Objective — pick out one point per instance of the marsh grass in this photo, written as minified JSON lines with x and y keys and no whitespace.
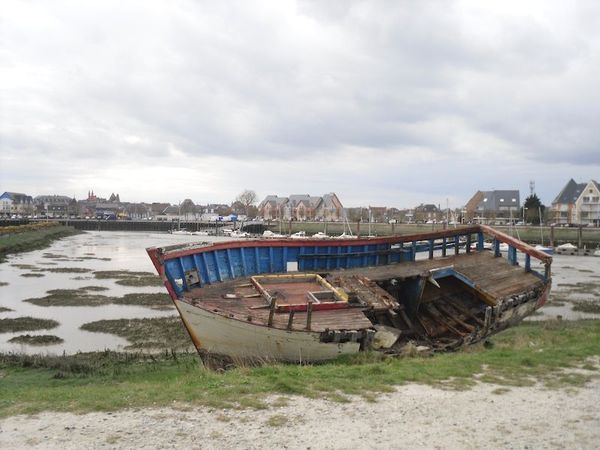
{"x":4,"y":309}
{"x":87,"y":296}
{"x":66,"y":270}
{"x":26,"y":324}
{"x":34,"y":238}
{"x":130,"y":278}
{"x":151,"y":333}
{"x":586,"y":306}
{"x":277,"y":420}
{"x":33,"y":275}
{"x":3,"y":283}
{"x":548,"y":353}
{"x":37,"y":339}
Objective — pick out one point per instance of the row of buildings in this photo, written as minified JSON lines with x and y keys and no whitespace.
{"x":13,"y":205}
{"x":577,"y":203}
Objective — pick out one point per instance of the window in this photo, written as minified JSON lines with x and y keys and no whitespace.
{"x":502,"y":200}
{"x":514,"y":200}
{"x":586,"y":199}
{"x":485,"y":200}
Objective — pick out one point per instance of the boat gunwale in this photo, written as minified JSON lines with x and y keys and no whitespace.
{"x":181,"y":250}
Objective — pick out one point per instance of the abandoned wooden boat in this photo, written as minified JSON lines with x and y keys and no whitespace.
{"x":315,"y":299}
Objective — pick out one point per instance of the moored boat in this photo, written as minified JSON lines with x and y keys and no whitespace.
{"x":315,"y":299}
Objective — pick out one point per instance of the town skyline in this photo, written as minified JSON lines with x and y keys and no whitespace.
{"x":441,"y":202}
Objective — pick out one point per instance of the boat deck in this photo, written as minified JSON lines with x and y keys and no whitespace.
{"x":240,"y":299}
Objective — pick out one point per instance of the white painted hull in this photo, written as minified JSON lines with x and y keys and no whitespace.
{"x":224,"y":336}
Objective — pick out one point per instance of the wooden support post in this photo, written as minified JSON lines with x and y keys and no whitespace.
{"x":468,"y":249}
{"x":480,"y":241}
{"x":290,"y":319}
{"x":413,"y":251}
{"x":272,"y":310}
{"x":393,"y":227}
{"x":552,"y":236}
{"x":444,"y":242}
{"x":527,"y":262}
{"x":580,"y":237}
{"x":547,"y":272}
{"x":431,"y":248}
{"x":309,"y":308}
{"x":497,"y":253}
{"x":512,"y":255}
{"x":456,"y":244}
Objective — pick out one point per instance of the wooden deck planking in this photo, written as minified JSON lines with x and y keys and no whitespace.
{"x":494,"y":275}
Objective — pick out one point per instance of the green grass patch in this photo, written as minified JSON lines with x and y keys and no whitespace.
{"x":152,"y":333}
{"x":586,"y":306}
{"x":521,"y":356}
{"x":130,"y":278}
{"x":70,"y":297}
{"x":156,"y":300}
{"x":87,"y":296}
{"x":66,"y":270}
{"x":32,"y":239}
{"x":26,"y":324}
{"x":37,"y":339}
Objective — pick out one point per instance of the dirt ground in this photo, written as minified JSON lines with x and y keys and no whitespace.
{"x":414,"y":416}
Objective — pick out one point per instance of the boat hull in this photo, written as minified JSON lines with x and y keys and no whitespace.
{"x":218,"y":334}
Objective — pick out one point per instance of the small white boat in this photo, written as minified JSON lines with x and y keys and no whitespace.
{"x":568,"y":246}
{"x":543,"y":248}
{"x":200,"y":233}
{"x":320,"y":235}
{"x":239,"y":234}
{"x":181,"y":232}
{"x":270,"y":235}
{"x":298,"y":235}
{"x":348,"y":236}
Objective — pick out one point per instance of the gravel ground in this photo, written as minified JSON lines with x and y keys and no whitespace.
{"x":414,"y":416}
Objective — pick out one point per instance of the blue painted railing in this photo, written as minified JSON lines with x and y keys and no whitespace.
{"x":187,"y":267}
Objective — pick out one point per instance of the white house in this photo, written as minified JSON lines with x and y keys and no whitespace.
{"x":587,"y":206}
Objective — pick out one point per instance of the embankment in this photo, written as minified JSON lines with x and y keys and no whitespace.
{"x":23,"y":238}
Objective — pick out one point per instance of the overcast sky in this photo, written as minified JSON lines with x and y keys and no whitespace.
{"x":385,"y":103}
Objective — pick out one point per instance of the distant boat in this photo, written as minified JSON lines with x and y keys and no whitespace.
{"x":320,"y":235}
{"x":200,"y":233}
{"x":567,"y":246}
{"x":543,"y":248}
{"x":567,"y":249}
{"x":181,"y":232}
{"x":298,"y":235}
{"x":270,"y":235}
{"x":348,"y":236}
{"x":239,"y":234}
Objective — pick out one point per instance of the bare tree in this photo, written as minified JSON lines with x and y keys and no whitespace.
{"x":247,"y":198}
